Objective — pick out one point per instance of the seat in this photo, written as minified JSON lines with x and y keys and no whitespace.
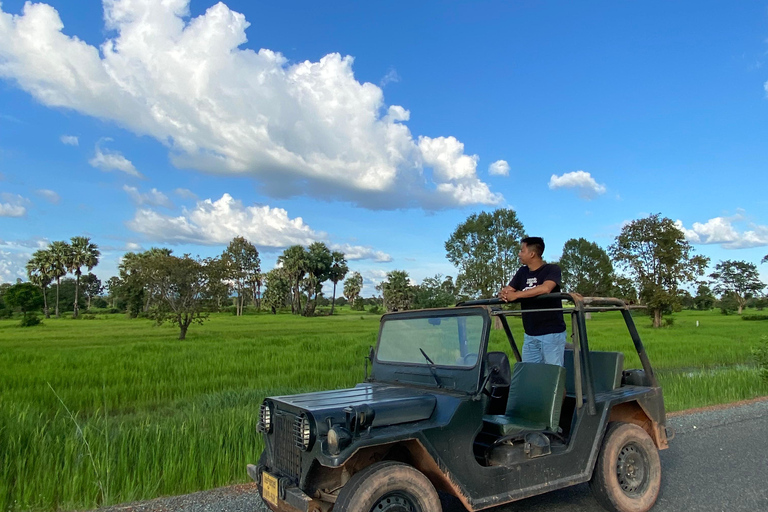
{"x":535,"y":399}
{"x":498,"y":382}
{"x":607,"y":369}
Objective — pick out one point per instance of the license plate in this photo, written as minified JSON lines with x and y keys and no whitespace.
{"x":269,"y":487}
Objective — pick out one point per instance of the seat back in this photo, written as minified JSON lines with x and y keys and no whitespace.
{"x":498,"y":384}
{"x":536,"y":393}
{"x":607,"y":369}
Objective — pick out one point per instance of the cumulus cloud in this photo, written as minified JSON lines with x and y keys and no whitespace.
{"x":499,"y":168}
{"x":152,"y":198}
{"x":217,"y":222}
{"x":12,"y":205}
{"x":70,"y":140}
{"x":582,"y":181}
{"x":299,"y":128}
{"x":107,"y":160}
{"x":12,"y":266}
{"x":720,"y":231}
{"x":49,"y":195}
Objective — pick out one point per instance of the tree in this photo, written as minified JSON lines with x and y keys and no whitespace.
{"x":654,"y":251}
{"x":765,"y":259}
{"x":352,"y":288}
{"x":295,"y":261}
{"x":278,"y":288}
{"x":337,"y":272}
{"x":244,"y":265}
{"x":624,"y":289}
{"x":704,"y":299}
{"x":587,"y":269}
{"x":318,"y":260}
{"x":739,"y":278}
{"x":484,"y":248}
{"x":25,"y":296}
{"x":59,"y":259}
{"x":91,"y":288}
{"x":397,"y":291}
{"x":136,"y":280}
{"x":40,"y":273}
{"x":434,"y":292}
{"x":185,"y":288}
{"x":83,"y":253}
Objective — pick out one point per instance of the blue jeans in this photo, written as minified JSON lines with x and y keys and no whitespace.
{"x":545,"y":348}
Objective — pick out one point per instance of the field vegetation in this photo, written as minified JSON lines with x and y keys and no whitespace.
{"x":106,"y":409}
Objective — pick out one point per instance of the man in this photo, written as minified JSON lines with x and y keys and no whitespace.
{"x":544,"y":340}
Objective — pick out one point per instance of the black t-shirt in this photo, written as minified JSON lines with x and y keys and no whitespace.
{"x":536,"y":324}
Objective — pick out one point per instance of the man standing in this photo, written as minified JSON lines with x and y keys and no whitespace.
{"x":544,"y":331}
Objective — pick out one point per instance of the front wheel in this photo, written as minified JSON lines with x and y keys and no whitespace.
{"x":388,"y":487}
{"x":627,"y":476}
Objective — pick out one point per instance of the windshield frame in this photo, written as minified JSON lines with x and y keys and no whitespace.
{"x":437,"y":313}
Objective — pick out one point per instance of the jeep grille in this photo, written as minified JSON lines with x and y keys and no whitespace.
{"x":287,"y":453}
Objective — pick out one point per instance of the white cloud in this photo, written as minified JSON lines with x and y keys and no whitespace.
{"x":49,"y":195}
{"x":152,"y":198}
{"x":13,"y":266}
{"x":499,"y":168}
{"x":107,"y":160}
{"x":218,"y":222}
{"x":185,"y":193}
{"x":70,"y":140}
{"x":720,"y":230}
{"x":12,"y":205}
{"x":389,"y":78}
{"x":300,"y":128}
{"x":582,"y":181}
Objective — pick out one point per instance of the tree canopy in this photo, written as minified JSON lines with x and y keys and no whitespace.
{"x":739,"y":278}
{"x":397,"y":291}
{"x":587,"y":269}
{"x":352,"y":288}
{"x":243,"y":266}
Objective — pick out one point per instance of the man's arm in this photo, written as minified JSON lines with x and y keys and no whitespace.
{"x":542,"y":289}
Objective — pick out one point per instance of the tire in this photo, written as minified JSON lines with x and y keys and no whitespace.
{"x":388,"y":487}
{"x":627,"y":475}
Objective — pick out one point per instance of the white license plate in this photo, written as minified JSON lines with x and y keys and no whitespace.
{"x":269,"y":487}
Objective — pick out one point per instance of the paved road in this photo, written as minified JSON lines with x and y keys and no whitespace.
{"x":718,"y":461}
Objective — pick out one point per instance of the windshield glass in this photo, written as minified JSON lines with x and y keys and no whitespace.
{"x":446,"y":341}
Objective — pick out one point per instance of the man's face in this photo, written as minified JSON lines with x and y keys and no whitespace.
{"x":526,"y":255}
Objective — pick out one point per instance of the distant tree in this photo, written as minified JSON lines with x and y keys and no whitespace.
{"x":685,"y":299}
{"x":654,"y":251}
{"x":136,"y":281}
{"x":352,"y":288}
{"x":704,"y":299}
{"x":485,"y":250}
{"x":434,"y":292}
{"x":587,"y":269}
{"x":337,"y":272}
{"x":256,"y":282}
{"x":40,"y":273}
{"x":185,"y":289}
{"x":113,"y":290}
{"x":83,"y":253}
{"x":728,"y":303}
{"x":244,"y":265}
{"x":278,"y":287}
{"x":623,"y":288}
{"x":739,"y":278}
{"x":59,"y":260}
{"x":295,"y":261}
{"x":25,"y":296}
{"x":397,"y":291}
{"x":91,"y":288}
{"x":319,"y":260}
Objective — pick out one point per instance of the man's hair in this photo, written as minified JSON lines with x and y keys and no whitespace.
{"x":535,"y":243}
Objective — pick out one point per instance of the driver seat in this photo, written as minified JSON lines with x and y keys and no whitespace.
{"x":497,"y":363}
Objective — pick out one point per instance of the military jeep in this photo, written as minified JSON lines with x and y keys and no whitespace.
{"x":440,"y":413}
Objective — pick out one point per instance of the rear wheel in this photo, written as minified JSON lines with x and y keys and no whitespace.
{"x":388,"y":487}
{"x":627,"y":476}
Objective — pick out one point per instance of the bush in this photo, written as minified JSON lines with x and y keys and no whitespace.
{"x":669,"y":321}
{"x":374,"y":309}
{"x":754,"y":317}
{"x":760,"y":353}
{"x":29,"y":321}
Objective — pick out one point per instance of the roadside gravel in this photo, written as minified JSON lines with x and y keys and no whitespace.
{"x":244,"y":498}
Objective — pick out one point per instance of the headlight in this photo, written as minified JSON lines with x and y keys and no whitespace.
{"x":303,"y":432}
{"x":338,"y":439}
{"x":265,"y":417}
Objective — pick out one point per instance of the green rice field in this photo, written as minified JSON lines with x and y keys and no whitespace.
{"x":110,"y":410}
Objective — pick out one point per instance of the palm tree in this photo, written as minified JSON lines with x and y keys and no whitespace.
{"x":83,"y":253}
{"x":337,"y":272}
{"x":39,"y":271}
{"x":59,"y":257}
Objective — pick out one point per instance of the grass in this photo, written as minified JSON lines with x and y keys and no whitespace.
{"x":96,"y":412}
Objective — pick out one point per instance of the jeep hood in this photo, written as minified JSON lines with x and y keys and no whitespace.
{"x":391,"y":405}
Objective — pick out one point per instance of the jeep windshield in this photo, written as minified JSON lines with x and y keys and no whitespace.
{"x":448,"y":340}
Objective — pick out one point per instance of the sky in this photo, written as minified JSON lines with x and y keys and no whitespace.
{"x":378,"y":127}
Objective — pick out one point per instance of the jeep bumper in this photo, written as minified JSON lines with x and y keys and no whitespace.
{"x":289,"y":497}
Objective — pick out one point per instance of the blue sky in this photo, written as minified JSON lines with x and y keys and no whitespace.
{"x":378,"y":127}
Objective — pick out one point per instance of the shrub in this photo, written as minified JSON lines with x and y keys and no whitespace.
{"x":754,"y":317}
{"x":374,"y":309}
{"x":760,"y":353}
{"x":669,"y":321}
{"x":29,"y":321}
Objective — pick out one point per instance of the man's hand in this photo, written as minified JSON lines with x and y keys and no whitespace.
{"x":508,"y":294}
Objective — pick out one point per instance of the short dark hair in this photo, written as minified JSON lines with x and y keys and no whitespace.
{"x":536,"y":243}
